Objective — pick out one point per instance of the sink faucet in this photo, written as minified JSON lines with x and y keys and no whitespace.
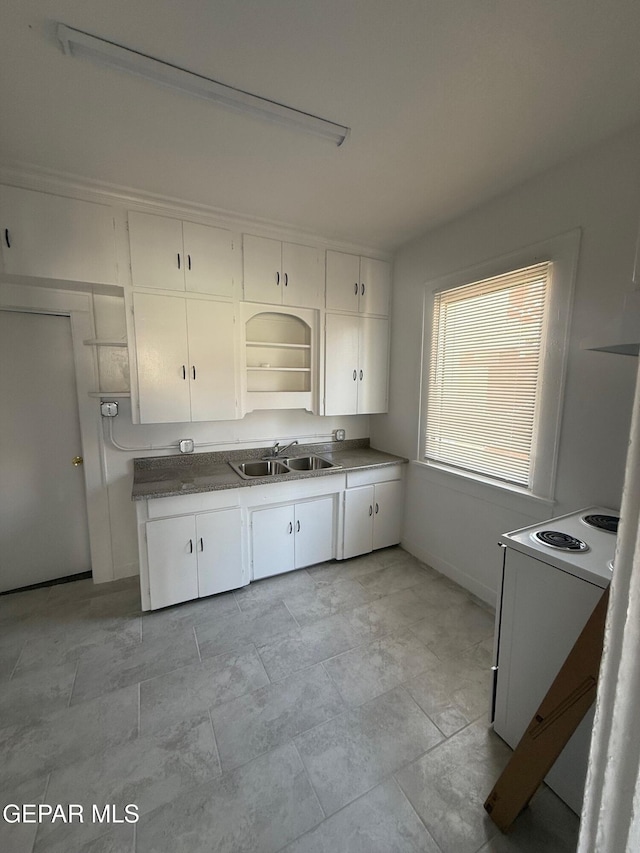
{"x":276,"y":450}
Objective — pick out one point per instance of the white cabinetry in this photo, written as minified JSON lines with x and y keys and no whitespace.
{"x":169,"y":254}
{"x":282,"y":273}
{"x":185,"y":352}
{"x":292,"y":536}
{"x":372,"y":517}
{"x":356,"y":364}
{"x":47,"y":236}
{"x":192,"y":556}
{"x":357,"y":284}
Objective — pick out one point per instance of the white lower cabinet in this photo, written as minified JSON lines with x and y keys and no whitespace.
{"x":191,"y":556}
{"x":372,"y":517}
{"x":290,"y":537}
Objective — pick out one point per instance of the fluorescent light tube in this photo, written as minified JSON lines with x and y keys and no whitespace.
{"x":79,"y":44}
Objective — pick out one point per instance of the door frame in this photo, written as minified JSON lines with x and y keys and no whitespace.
{"x":78,"y":306}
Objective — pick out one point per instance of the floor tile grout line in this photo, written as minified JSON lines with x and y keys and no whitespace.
{"x":413,"y":809}
{"x":271,"y":681}
{"x":215,"y":741}
{"x":195,"y":637}
{"x":43,"y":799}
{"x":307,"y":774}
{"x":16,"y":664}
{"x":291,"y":614}
{"x":73,"y":686}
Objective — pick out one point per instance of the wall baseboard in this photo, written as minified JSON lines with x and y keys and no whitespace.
{"x":484,"y":593}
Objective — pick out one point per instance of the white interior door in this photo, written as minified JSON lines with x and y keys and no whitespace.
{"x":43,"y":516}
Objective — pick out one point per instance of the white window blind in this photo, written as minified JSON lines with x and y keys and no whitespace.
{"x":484,"y":374}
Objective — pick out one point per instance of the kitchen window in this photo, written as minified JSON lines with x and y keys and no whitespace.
{"x":495,"y":367}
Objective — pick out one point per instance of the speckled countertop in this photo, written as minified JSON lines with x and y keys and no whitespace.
{"x":164,"y":476}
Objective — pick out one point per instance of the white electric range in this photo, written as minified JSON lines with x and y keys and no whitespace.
{"x":554,"y":573}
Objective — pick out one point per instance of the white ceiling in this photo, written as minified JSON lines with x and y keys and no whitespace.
{"x":450,"y":102}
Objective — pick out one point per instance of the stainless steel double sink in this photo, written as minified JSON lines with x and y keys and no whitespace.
{"x":288,"y":465}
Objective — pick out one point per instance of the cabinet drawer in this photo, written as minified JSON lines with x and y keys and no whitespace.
{"x":367,"y":476}
{"x":183,"y":504}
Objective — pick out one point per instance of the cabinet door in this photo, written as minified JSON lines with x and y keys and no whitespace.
{"x":303,"y":275}
{"x":375,"y":286}
{"x":48,"y":236}
{"x":272,"y":540}
{"x":314,"y":532}
{"x":163,"y":360}
{"x":387,"y":513}
{"x":173,"y":572}
{"x":373,"y":371}
{"x":209,"y":261}
{"x":341,"y":364}
{"x":358,"y":521}
{"x":262,"y":262}
{"x":343,"y":281}
{"x":219,"y":547}
{"x":157,"y":257}
{"x":212,"y":360}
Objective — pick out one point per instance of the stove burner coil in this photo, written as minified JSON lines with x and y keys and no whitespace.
{"x":603,"y":522}
{"x":559,"y":540}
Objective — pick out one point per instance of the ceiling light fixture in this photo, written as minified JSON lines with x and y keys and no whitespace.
{"x":83,"y":45}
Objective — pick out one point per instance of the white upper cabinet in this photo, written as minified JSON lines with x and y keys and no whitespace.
{"x":282,"y":273}
{"x":357,"y":284}
{"x":168,"y":254}
{"x":356,"y":365}
{"x":185,"y":352}
{"x":48,"y":236}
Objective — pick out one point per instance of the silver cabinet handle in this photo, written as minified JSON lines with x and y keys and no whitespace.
{"x":362,"y":290}
{"x":361,"y":375}
{"x":286,"y":279}
{"x":277,"y":278}
{"x":290,"y":527}
{"x":191,"y":546}
{"x":377,"y":509}
{"x":184,"y":372}
{"x":179,"y":260}
{"x":355,"y":375}
{"x":298,"y":526}
{"x":7,"y":238}
{"x":355,"y":288}
{"x":188,"y":262}
{"x":193,"y":370}
{"x":201,"y":544}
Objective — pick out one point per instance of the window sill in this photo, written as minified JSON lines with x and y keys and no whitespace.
{"x":475,"y":485}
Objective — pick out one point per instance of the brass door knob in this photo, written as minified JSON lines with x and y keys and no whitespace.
{"x":77,"y":460}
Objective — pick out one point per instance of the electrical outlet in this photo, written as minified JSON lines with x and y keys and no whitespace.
{"x":186,"y":445}
{"x":339,"y":434}
{"x":108,"y":409}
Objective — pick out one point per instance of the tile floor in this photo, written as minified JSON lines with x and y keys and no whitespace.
{"x":339,"y":708}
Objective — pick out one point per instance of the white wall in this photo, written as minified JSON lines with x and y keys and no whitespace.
{"x":454,"y":525}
